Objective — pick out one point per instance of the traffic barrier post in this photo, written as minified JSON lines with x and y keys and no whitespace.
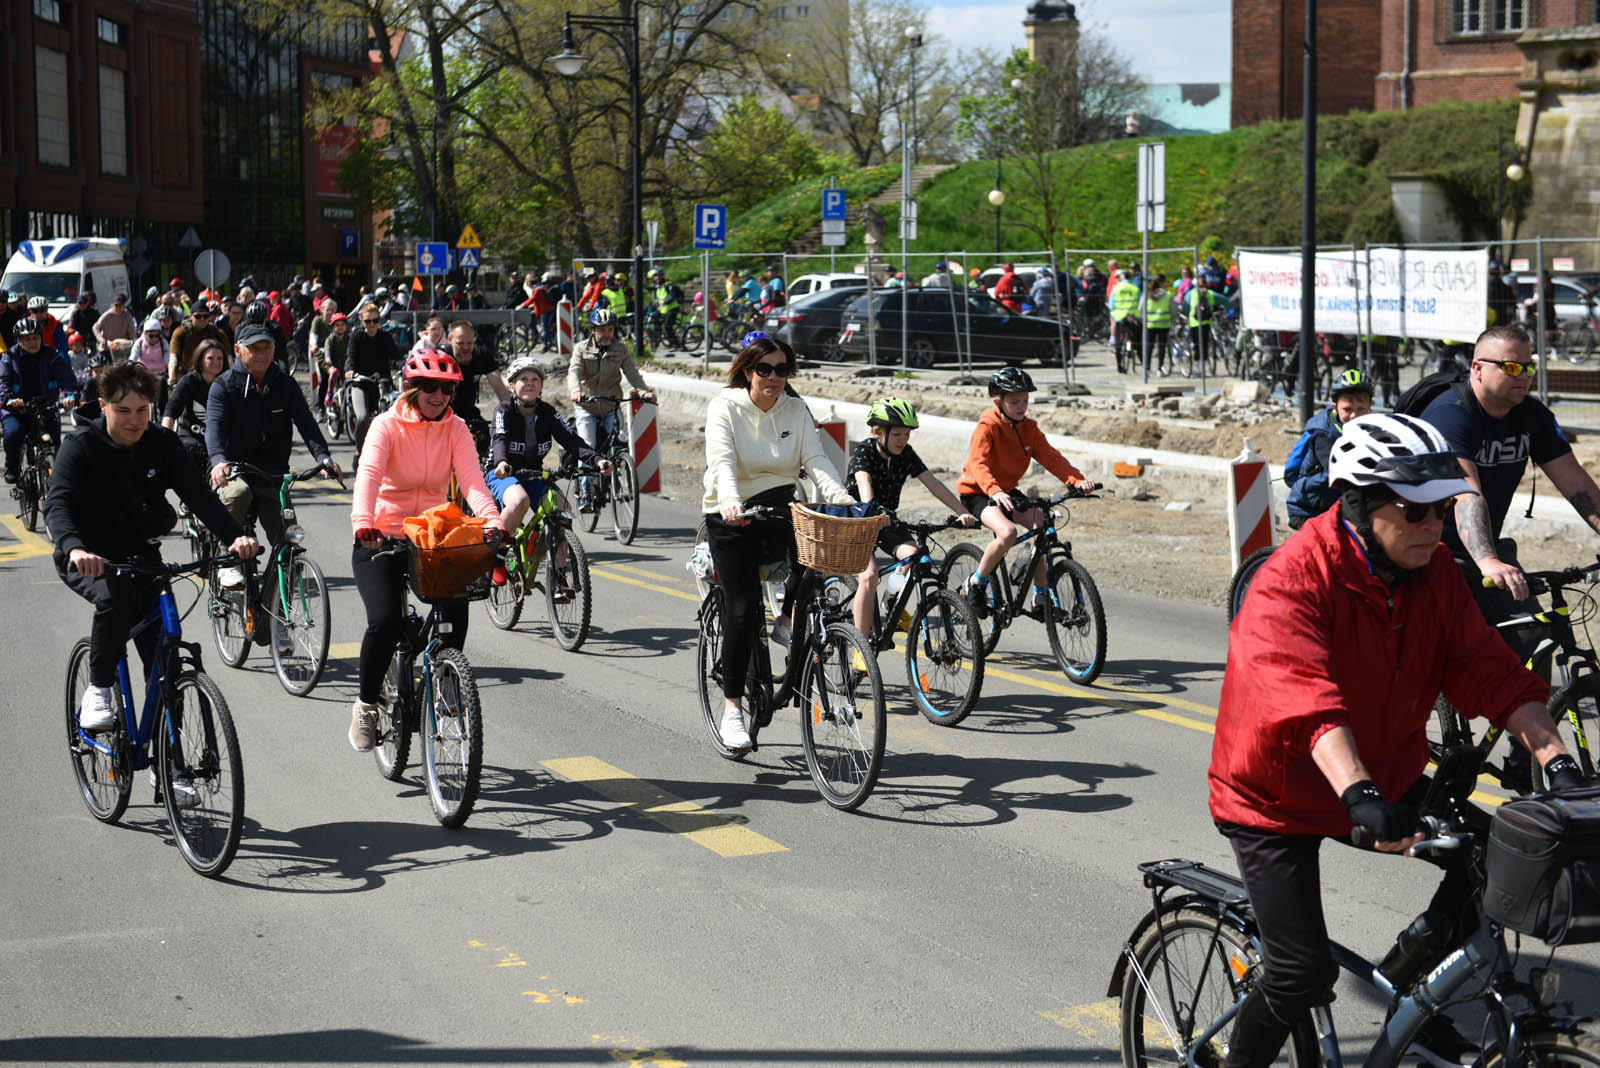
{"x":1250,"y":517}
{"x":644,"y":445}
{"x":564,"y":328}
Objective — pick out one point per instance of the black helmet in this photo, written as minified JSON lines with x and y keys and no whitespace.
{"x":256,"y":313}
{"x":1352,"y":381}
{"x":1010,"y":380}
{"x":27,"y":328}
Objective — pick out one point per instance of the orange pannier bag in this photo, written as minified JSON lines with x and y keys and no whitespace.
{"x":447,"y":551}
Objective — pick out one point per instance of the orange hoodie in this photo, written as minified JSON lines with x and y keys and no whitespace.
{"x":406,"y":464}
{"x":1001,"y":451}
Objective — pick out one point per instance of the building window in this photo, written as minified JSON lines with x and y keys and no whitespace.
{"x":1470,"y":18}
{"x":50,"y":87}
{"x":113,"y":121}
{"x":782,"y":12}
{"x":109,"y":30}
{"x":804,"y":10}
{"x":49,"y":10}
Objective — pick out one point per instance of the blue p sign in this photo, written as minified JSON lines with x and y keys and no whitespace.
{"x":710,"y":226}
{"x":833,"y":204}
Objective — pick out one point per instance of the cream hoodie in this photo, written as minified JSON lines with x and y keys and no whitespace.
{"x":749,"y":451}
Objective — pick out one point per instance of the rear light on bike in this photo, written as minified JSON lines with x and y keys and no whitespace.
{"x":498,"y":576}
{"x":294,"y":533}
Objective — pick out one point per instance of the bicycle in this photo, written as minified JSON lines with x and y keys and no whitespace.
{"x":286,"y":609}
{"x":944,"y":638}
{"x":430,"y":690}
{"x":339,"y":418}
{"x":1243,"y":576}
{"x":198,"y":773}
{"x":545,"y":538}
{"x":620,"y":489}
{"x":831,"y":676}
{"x":1191,"y":961}
{"x":1073,"y":616}
{"x":684,"y":335}
{"x":39,"y":442}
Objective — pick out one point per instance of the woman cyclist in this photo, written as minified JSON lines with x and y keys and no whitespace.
{"x":1004,"y":446}
{"x":758,"y":437}
{"x":879,"y":467}
{"x":186,"y":409}
{"x":523,"y":429}
{"x":411,"y":453}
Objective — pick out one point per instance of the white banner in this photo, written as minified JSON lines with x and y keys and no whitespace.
{"x":1426,"y":293}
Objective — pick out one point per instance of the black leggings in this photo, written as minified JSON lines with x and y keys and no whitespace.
{"x":119,"y":603}
{"x":381,"y":581}
{"x":737,"y":553}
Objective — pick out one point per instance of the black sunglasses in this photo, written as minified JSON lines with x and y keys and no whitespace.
{"x":433,"y":385}
{"x":767,"y":370}
{"x":1416,"y":513}
{"x":370,"y":322}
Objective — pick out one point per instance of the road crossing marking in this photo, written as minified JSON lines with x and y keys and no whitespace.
{"x":29,"y":543}
{"x":701,"y":826}
{"x":669,"y":591}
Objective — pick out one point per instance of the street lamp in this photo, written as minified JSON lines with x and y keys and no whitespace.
{"x":997,"y":197}
{"x":1504,"y":172}
{"x":624,"y":30}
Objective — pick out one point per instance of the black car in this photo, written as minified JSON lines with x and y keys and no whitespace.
{"x":811,"y":322}
{"x":938,"y":322}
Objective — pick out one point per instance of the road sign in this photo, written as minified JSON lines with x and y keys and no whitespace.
{"x":1150,"y":211}
{"x":468,"y":238}
{"x":467,"y":259}
{"x":833,"y":239}
{"x":833,"y":226}
{"x":212,"y":267}
{"x":833,"y":204}
{"x":908,"y":220}
{"x":349,"y":242}
{"x":190,"y":239}
{"x":710,"y":226}
{"x":433,"y":257}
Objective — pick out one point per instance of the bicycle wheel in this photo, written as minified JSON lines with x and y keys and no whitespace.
{"x":395,"y":717}
{"x":959,"y":565}
{"x":694,"y":336}
{"x":708,"y":669}
{"x":1184,"y":973}
{"x":944,"y":658}
{"x":504,"y":603}
{"x":333,"y":419}
{"x":452,"y":744}
{"x":1242,"y":578}
{"x":1571,"y":1046}
{"x":196,"y":745}
{"x":624,"y":492}
{"x":229,"y":623}
{"x":1076,"y":621}
{"x":566,"y":589}
{"x":33,"y":491}
{"x":300,"y":625}
{"x":1576,"y":711}
{"x":104,"y":780}
{"x":573,"y":490}
{"x":842,"y":716}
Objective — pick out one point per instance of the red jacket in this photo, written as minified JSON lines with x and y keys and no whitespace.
{"x":1321,"y":643}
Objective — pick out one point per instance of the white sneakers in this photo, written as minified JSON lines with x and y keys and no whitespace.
{"x":363,"y":726}
{"x":97,"y":711}
{"x":230,"y":578}
{"x":733,"y":731}
{"x":184,"y":794}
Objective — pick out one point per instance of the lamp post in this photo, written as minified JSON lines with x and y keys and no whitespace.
{"x":624,"y":30}
{"x":908,"y":190}
{"x":997,"y":195}
{"x":1504,"y":171}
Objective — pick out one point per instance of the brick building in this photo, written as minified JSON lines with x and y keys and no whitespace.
{"x":1268,"y":57}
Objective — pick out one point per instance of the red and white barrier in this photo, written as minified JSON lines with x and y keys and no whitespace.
{"x":834,"y":445}
{"x":643,"y":443}
{"x":1250,"y":516}
{"x":564,"y":328}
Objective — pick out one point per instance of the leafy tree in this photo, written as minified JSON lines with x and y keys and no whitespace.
{"x":749,"y":152}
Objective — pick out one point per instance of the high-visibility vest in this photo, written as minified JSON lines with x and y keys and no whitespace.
{"x":1124,"y":301}
{"x":1198,"y":294}
{"x":664,"y":299}
{"x":1158,"y":311}
{"x":616,"y":300}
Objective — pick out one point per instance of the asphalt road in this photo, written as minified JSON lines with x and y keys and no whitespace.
{"x":621,"y":893}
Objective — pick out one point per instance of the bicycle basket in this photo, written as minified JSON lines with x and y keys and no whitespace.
{"x":453,"y":571}
{"x":834,"y":545}
{"x":1543,"y":867}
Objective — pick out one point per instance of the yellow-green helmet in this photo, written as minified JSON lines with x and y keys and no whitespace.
{"x":1352,"y":381}
{"x":892,"y":411}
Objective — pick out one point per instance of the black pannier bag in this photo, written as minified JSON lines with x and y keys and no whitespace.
{"x":1543,"y":867}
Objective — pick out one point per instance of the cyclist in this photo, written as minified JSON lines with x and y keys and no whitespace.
{"x":108,"y":503}
{"x":251,"y":412}
{"x":1124,"y":316}
{"x":1004,"y":445}
{"x":12,"y":311}
{"x":668,"y":298}
{"x":256,"y":313}
{"x":185,"y":413}
{"x":88,"y":407}
{"x":879,"y":467}
{"x":1309,"y":492}
{"x":758,"y":437}
{"x":1042,"y":294}
{"x":117,"y":323}
{"x":371,"y":353}
{"x":53,"y":330}
{"x":1202,"y":304}
{"x":1351,"y":630}
{"x":599,"y":364}
{"x":413,"y":452}
{"x":523,"y":430}
{"x":476,"y":361}
{"x":617,"y":294}
{"x":84,"y":316}
{"x":187,"y":338}
{"x":593,"y":285}
{"x":29,"y":371}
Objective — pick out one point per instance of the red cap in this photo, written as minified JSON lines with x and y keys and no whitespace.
{"x":274,"y":295}
{"x":337,"y":317}
{"x":176,"y":283}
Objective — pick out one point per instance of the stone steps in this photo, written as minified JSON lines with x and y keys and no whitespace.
{"x":810,"y":242}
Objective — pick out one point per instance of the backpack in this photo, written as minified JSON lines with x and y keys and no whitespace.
{"x":1297,"y":458}
{"x":1414,"y":401}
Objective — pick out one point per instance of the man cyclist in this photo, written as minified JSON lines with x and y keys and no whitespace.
{"x":30,"y":371}
{"x":1351,"y":630}
{"x":599,"y":364}
{"x":371,"y":353}
{"x":477,"y":362}
{"x":256,"y":313}
{"x":187,"y":338}
{"x":668,"y":299}
{"x":251,"y":414}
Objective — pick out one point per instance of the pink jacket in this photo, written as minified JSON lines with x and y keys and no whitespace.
{"x":405,"y":470}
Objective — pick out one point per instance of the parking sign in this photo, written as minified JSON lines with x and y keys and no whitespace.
{"x":710,"y":226}
{"x":833,"y":204}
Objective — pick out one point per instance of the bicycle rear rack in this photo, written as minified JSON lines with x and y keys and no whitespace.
{"x":1209,"y":883}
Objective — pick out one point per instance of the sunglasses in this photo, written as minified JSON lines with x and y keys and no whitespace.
{"x":1512,"y":368}
{"x":433,"y":385}
{"x":767,"y":370}
{"x":371,"y":322}
{"x":1416,"y":513}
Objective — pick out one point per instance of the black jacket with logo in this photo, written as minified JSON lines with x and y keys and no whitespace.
{"x":254,"y":424}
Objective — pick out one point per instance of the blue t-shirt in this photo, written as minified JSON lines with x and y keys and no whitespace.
{"x":1500,"y":448}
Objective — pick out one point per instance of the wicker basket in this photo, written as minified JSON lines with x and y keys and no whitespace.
{"x":834,"y":545}
{"x":457,"y":571}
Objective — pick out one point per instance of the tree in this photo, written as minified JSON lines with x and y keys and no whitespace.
{"x":749,"y":151}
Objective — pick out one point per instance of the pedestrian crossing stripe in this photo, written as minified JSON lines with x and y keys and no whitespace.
{"x":29,"y":543}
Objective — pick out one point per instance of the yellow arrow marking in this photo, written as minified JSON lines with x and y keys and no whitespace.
{"x":30,"y":544}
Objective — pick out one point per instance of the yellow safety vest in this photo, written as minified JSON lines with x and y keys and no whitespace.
{"x":1158,"y":311}
{"x":1124,"y":301}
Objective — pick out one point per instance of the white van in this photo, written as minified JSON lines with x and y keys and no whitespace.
{"x":61,"y":269}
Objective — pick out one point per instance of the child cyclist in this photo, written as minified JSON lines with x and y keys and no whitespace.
{"x":523,"y":429}
{"x":1307,"y":469}
{"x":1004,"y":445}
{"x":879,"y":467}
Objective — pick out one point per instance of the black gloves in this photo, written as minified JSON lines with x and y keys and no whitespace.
{"x":1384,"y":821}
{"x":1562,"y":773}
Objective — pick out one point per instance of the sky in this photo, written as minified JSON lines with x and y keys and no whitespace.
{"x":1167,"y":40}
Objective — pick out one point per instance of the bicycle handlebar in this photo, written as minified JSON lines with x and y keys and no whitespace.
{"x":1544,"y":581}
{"x":635,"y":396}
{"x":948,"y":523}
{"x":237,"y":468}
{"x":130,"y":568}
{"x":1443,"y":835}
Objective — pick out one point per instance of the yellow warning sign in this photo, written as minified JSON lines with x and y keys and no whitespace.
{"x":468,"y":238}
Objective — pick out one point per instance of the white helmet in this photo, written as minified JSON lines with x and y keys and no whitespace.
{"x":522,"y":364}
{"x":1400,"y":452}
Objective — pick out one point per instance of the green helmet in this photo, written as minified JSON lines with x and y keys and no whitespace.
{"x":1352,"y":381}
{"x":892,"y":411}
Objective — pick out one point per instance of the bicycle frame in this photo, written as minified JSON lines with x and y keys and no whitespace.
{"x":172,"y":654}
{"x":1044,"y":539}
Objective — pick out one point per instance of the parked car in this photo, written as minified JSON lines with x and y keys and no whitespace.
{"x":811,"y":323}
{"x":1569,"y":298}
{"x":935,"y":319}
{"x":812,"y":283}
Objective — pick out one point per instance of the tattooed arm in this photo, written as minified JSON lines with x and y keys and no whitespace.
{"x":1577,"y":487}
{"x":1473,"y":524}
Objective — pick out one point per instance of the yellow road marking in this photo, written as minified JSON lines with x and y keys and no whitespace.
{"x":669,"y":591}
{"x":647,"y":574}
{"x":1096,"y":1020}
{"x":701,"y":826}
{"x":29,"y":543}
{"x":344,"y":650}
